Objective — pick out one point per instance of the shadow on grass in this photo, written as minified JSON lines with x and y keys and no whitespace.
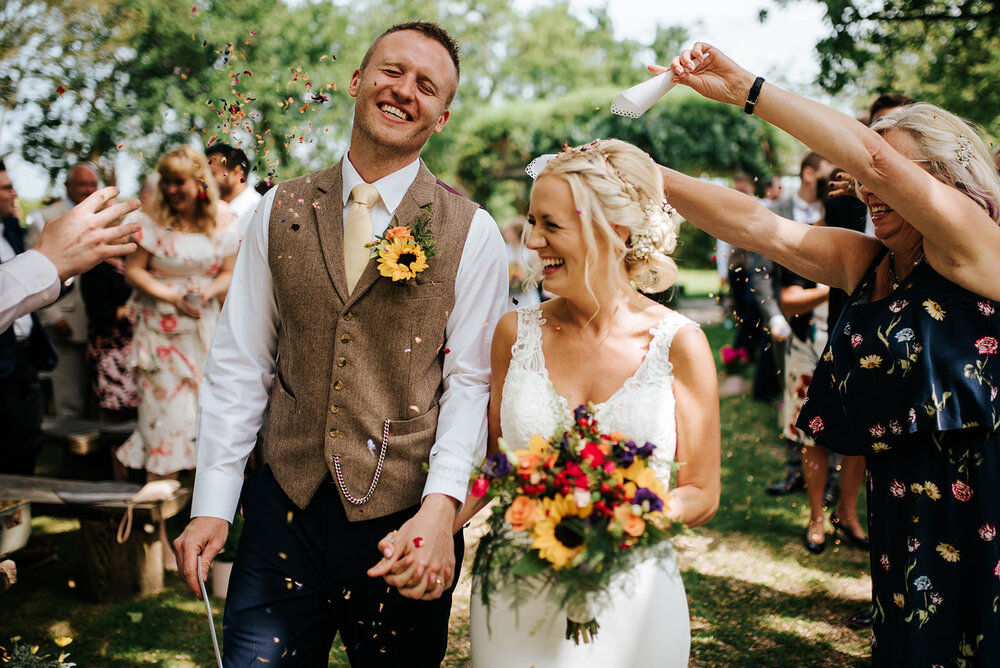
{"x":736,"y":623}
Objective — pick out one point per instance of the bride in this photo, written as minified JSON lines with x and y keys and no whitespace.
{"x":599,"y":224}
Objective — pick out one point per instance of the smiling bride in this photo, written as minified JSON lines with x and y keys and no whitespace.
{"x":600,"y":225}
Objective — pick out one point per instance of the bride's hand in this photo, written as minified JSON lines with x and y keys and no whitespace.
{"x":711,"y":73}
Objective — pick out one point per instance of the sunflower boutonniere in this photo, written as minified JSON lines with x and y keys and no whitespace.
{"x":403,"y":250}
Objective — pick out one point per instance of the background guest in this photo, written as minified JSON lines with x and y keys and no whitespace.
{"x":24,"y":351}
{"x":180,"y":274}
{"x":231,"y":168}
{"x":66,"y":320}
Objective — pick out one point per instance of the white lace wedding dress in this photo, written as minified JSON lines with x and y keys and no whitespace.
{"x":645,"y":622}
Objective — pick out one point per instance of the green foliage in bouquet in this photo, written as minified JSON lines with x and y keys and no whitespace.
{"x":573,"y":512}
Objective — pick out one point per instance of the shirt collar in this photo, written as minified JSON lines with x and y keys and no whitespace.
{"x":390,"y":188}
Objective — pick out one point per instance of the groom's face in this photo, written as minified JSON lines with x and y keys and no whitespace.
{"x":403,"y":92}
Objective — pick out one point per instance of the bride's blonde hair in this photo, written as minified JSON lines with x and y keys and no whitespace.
{"x":616,"y":184}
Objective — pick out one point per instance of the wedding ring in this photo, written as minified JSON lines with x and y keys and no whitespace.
{"x":392,"y":537}
{"x":439,"y":582}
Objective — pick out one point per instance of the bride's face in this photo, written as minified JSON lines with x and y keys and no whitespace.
{"x":557,"y":236}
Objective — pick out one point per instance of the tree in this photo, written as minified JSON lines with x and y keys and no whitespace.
{"x":945,"y":52}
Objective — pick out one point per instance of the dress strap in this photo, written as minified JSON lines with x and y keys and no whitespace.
{"x":657,"y":361}
{"x":527,"y":349}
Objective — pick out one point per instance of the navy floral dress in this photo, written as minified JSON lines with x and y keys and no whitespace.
{"x":911,"y":382}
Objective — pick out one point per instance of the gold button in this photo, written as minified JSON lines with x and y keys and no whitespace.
{"x":334,"y":433}
{"x":344,"y":338}
{"x":341,"y":361}
{"x":339,"y":385}
{"x":335,"y":409}
{"x":348,"y":316}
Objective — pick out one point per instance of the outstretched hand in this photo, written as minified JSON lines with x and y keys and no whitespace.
{"x":711,"y":73}
{"x":419,"y":558}
{"x":80,"y":239}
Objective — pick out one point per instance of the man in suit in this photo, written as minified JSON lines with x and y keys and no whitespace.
{"x":377,"y":389}
{"x":66,"y":320}
{"x":24,"y":351}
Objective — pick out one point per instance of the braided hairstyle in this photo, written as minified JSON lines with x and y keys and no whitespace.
{"x":617,"y":185}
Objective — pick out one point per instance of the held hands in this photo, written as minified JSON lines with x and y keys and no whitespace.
{"x":710,"y":73}
{"x":188,"y":303}
{"x":203,"y":536}
{"x":419,"y":559}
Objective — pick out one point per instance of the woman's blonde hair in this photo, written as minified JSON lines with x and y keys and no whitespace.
{"x":184,"y":162}
{"x":616,"y":184}
{"x":955,"y":152}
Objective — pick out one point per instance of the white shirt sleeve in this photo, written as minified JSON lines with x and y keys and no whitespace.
{"x":27,"y":283}
{"x":480,"y":300}
{"x":238,"y":375}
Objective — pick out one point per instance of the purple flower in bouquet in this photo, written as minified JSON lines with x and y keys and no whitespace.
{"x":646,"y":451}
{"x":645,"y":494}
{"x":497,"y":465}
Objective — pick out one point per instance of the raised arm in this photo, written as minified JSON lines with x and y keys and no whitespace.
{"x":961,"y":241}
{"x":828,"y":255}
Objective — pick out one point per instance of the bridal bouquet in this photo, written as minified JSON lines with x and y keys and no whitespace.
{"x":573,"y":511}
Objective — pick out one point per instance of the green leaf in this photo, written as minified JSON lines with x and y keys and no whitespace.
{"x":530,"y":565}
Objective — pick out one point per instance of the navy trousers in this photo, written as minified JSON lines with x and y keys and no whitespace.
{"x":299,"y":579}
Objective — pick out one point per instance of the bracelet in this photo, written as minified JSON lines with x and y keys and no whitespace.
{"x":753,"y":95}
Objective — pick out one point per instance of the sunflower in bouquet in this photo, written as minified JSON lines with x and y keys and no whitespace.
{"x":572,"y":511}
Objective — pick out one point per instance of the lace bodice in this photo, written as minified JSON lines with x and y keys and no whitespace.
{"x":642,"y":408}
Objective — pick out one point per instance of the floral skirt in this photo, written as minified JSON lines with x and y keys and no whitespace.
{"x":168,"y":370}
{"x":934,"y":510}
{"x":114,"y":377}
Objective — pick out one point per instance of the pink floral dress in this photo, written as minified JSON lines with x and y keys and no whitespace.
{"x":169,"y":349}
{"x":911,"y":381}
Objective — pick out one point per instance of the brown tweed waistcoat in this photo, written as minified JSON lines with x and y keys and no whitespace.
{"x":358,"y":376}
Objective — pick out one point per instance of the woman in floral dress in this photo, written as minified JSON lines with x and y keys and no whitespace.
{"x":180,"y":273}
{"x":909,"y":377}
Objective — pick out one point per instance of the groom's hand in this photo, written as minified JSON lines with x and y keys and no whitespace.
{"x":203,"y":536}
{"x":419,"y":559}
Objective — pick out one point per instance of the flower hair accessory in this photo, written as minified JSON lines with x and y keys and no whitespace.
{"x":964,"y":151}
{"x":641,"y":245}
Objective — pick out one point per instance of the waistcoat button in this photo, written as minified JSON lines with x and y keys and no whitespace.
{"x":339,"y":385}
{"x":341,"y":361}
{"x":334,"y":433}
{"x":335,"y":409}
{"x":345,"y":338}
{"x":348,"y":316}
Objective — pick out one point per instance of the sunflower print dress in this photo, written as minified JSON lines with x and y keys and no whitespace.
{"x":911,"y":381}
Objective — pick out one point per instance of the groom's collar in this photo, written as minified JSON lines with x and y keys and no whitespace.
{"x":390,"y":188}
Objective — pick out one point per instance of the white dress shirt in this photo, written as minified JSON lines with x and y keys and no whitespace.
{"x":241,"y":364}
{"x":243,"y":206}
{"x":27,"y":283}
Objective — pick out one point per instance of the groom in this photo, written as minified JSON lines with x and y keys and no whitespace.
{"x":368,"y":380}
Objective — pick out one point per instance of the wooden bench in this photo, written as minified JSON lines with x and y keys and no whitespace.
{"x":85,"y":445}
{"x":111,"y":571}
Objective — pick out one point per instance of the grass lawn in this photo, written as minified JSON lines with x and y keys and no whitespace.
{"x":757,"y":598}
{"x":699,"y":282}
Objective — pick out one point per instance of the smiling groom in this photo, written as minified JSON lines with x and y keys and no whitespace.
{"x":369,"y":380}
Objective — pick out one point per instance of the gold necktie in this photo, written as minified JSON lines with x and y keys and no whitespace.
{"x":358,"y":232}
